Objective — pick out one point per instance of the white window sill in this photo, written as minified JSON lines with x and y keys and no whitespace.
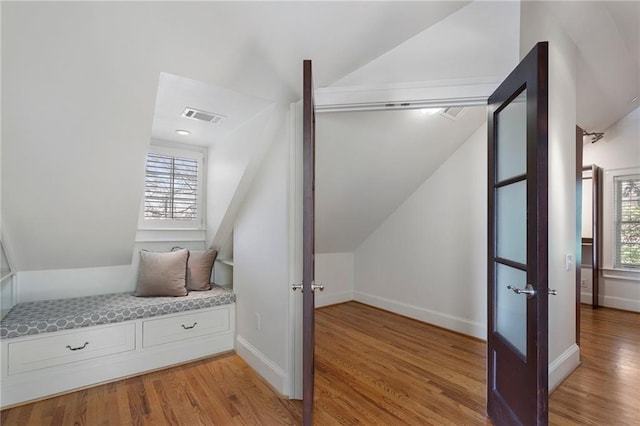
{"x":170,"y":234}
{"x":621,"y":274}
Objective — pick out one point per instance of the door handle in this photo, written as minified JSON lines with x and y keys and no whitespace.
{"x":314,"y":287}
{"x":528,"y":290}
{"x":553,"y":292}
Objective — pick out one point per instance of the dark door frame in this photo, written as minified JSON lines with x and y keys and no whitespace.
{"x":579,"y":138}
{"x":308,"y":243}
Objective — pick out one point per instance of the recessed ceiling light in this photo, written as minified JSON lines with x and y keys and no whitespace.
{"x":430,"y":111}
{"x":183,"y":132}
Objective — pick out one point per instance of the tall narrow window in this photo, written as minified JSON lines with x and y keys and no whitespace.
{"x":627,"y":221}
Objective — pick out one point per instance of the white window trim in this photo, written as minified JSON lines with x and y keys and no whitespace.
{"x":186,"y":151}
{"x":608,"y":228}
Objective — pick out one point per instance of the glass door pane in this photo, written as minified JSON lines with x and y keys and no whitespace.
{"x":512,"y":139}
{"x":512,"y":308}
{"x":511,"y":222}
{"x":511,"y":229}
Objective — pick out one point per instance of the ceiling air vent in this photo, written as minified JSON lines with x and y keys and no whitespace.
{"x":196,"y":114}
{"x":452,"y":113}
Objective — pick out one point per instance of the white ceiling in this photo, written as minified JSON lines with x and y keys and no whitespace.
{"x":368,"y":163}
{"x":176,"y":93}
{"x":80,"y":79}
{"x":79,"y":82}
{"x":607,"y":35}
{"x":480,"y":40}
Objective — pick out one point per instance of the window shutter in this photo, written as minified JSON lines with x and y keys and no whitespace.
{"x":171,"y":188}
{"x":627,"y":194}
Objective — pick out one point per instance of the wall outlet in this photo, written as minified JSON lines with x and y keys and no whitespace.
{"x":583,"y":283}
{"x":258,"y":322}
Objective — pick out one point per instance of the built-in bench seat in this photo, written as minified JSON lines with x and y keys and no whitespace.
{"x":55,"y":346}
{"x":63,"y":314}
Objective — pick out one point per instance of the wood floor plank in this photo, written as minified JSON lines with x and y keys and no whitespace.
{"x":372,"y":368}
{"x":96,"y":399}
{"x":605,"y":389}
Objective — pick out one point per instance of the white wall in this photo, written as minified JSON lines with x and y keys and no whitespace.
{"x":537,"y":23}
{"x":71,"y":184}
{"x":619,"y":149}
{"x":335,"y":271}
{"x":620,"y":146}
{"x":62,"y":283}
{"x":261,"y":268}
{"x":232,"y":165}
{"x":428,"y":259}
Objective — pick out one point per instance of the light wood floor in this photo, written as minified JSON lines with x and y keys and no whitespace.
{"x":372,"y":367}
{"x":605,"y":389}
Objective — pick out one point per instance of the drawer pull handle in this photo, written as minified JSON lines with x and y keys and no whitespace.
{"x":78,"y":348}
{"x":189,"y":328}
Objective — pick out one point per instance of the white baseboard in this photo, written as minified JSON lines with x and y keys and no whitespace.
{"x":620,"y":303}
{"x":450,"y":322}
{"x":563,"y":366}
{"x":332,"y":299}
{"x":585,"y":297}
{"x":272,"y":373}
{"x":613,"y":302}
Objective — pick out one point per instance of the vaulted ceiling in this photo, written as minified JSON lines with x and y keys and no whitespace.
{"x":80,"y":80}
{"x":369,"y":162}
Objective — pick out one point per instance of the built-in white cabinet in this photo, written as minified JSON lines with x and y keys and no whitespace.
{"x":46,"y":364}
{"x":60,"y":349}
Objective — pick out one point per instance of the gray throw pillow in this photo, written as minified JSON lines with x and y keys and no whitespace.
{"x":162,"y":273}
{"x":199,"y":268}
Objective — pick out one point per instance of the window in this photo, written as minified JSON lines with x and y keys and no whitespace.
{"x":627,"y":221}
{"x":173,"y":189}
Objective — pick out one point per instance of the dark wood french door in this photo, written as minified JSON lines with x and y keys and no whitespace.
{"x":308,"y":242}
{"x":517,"y":384}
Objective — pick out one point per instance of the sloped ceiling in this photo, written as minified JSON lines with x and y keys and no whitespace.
{"x":368,"y":163}
{"x":361,"y":178}
{"x":607,"y":35}
{"x":480,"y":40}
{"x":79,"y":81}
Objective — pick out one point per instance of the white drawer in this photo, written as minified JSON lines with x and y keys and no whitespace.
{"x":69,"y":347}
{"x":185,"y":326}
